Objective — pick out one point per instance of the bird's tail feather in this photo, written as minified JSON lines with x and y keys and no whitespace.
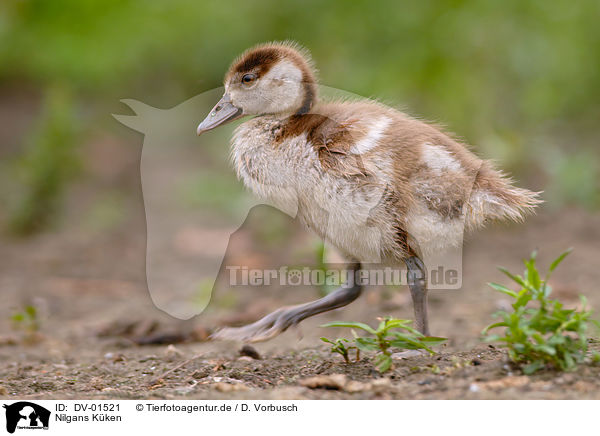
{"x":494,"y":198}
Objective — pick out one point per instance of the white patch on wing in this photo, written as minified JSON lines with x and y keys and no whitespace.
{"x":433,"y":233}
{"x":372,"y":137}
{"x":439,"y":159}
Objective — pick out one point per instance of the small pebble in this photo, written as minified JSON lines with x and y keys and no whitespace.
{"x":333,"y":381}
{"x":114,"y":357}
{"x":473,"y":388}
{"x":226,"y":387}
{"x":250,"y":351}
{"x":201,"y":373}
{"x":382,"y":382}
{"x":173,"y":351}
{"x":356,"y":386}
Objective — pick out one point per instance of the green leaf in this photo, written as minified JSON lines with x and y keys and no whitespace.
{"x":493,"y":326}
{"x":383,"y":363}
{"x":523,"y":298}
{"x":533,"y":276}
{"x":403,"y":345}
{"x":503,"y":289}
{"x":515,"y":278}
{"x":559,"y":259}
{"x":398,"y":323}
{"x":545,"y":349}
{"x":367,"y":344}
{"x":494,"y":338}
{"x":413,"y":341}
{"x":31,"y":311}
{"x":570,"y":363}
{"x":327,"y":341}
{"x":520,"y":348}
{"x":413,"y":331}
{"x":18,"y":317}
{"x":557,"y":340}
{"x":533,"y":367}
{"x":432,"y":341}
{"x":358,"y":325}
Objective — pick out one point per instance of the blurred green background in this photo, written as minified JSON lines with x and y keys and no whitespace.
{"x":517,"y":79}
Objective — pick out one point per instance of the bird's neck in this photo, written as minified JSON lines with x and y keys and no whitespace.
{"x":310,"y":98}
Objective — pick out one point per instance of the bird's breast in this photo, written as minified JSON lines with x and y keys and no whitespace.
{"x":289,"y":174}
{"x":276,"y":171}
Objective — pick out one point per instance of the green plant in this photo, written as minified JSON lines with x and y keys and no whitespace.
{"x":27,"y":321}
{"x":338,"y":346}
{"x":539,"y":331}
{"x":391,"y":333}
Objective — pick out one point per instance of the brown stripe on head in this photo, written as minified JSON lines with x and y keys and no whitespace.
{"x":260,"y":59}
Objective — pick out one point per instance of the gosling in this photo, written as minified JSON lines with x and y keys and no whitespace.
{"x":375,"y":183}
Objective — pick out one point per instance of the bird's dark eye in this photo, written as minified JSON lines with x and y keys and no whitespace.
{"x":248,"y":78}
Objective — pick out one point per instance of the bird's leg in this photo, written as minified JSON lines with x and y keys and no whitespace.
{"x":417,"y":282}
{"x":285,"y":317}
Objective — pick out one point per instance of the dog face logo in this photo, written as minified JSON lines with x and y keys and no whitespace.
{"x":26,"y":415}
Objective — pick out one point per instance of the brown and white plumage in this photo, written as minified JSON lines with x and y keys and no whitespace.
{"x":376,"y":183}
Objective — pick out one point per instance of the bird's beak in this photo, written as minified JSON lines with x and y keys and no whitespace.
{"x":223,"y":112}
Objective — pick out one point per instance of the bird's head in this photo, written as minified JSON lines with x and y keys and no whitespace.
{"x":272,"y":78}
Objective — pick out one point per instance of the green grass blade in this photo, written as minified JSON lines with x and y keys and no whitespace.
{"x":493,"y":326}
{"x":503,"y":289}
{"x":559,"y":259}
{"x":515,"y":278}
